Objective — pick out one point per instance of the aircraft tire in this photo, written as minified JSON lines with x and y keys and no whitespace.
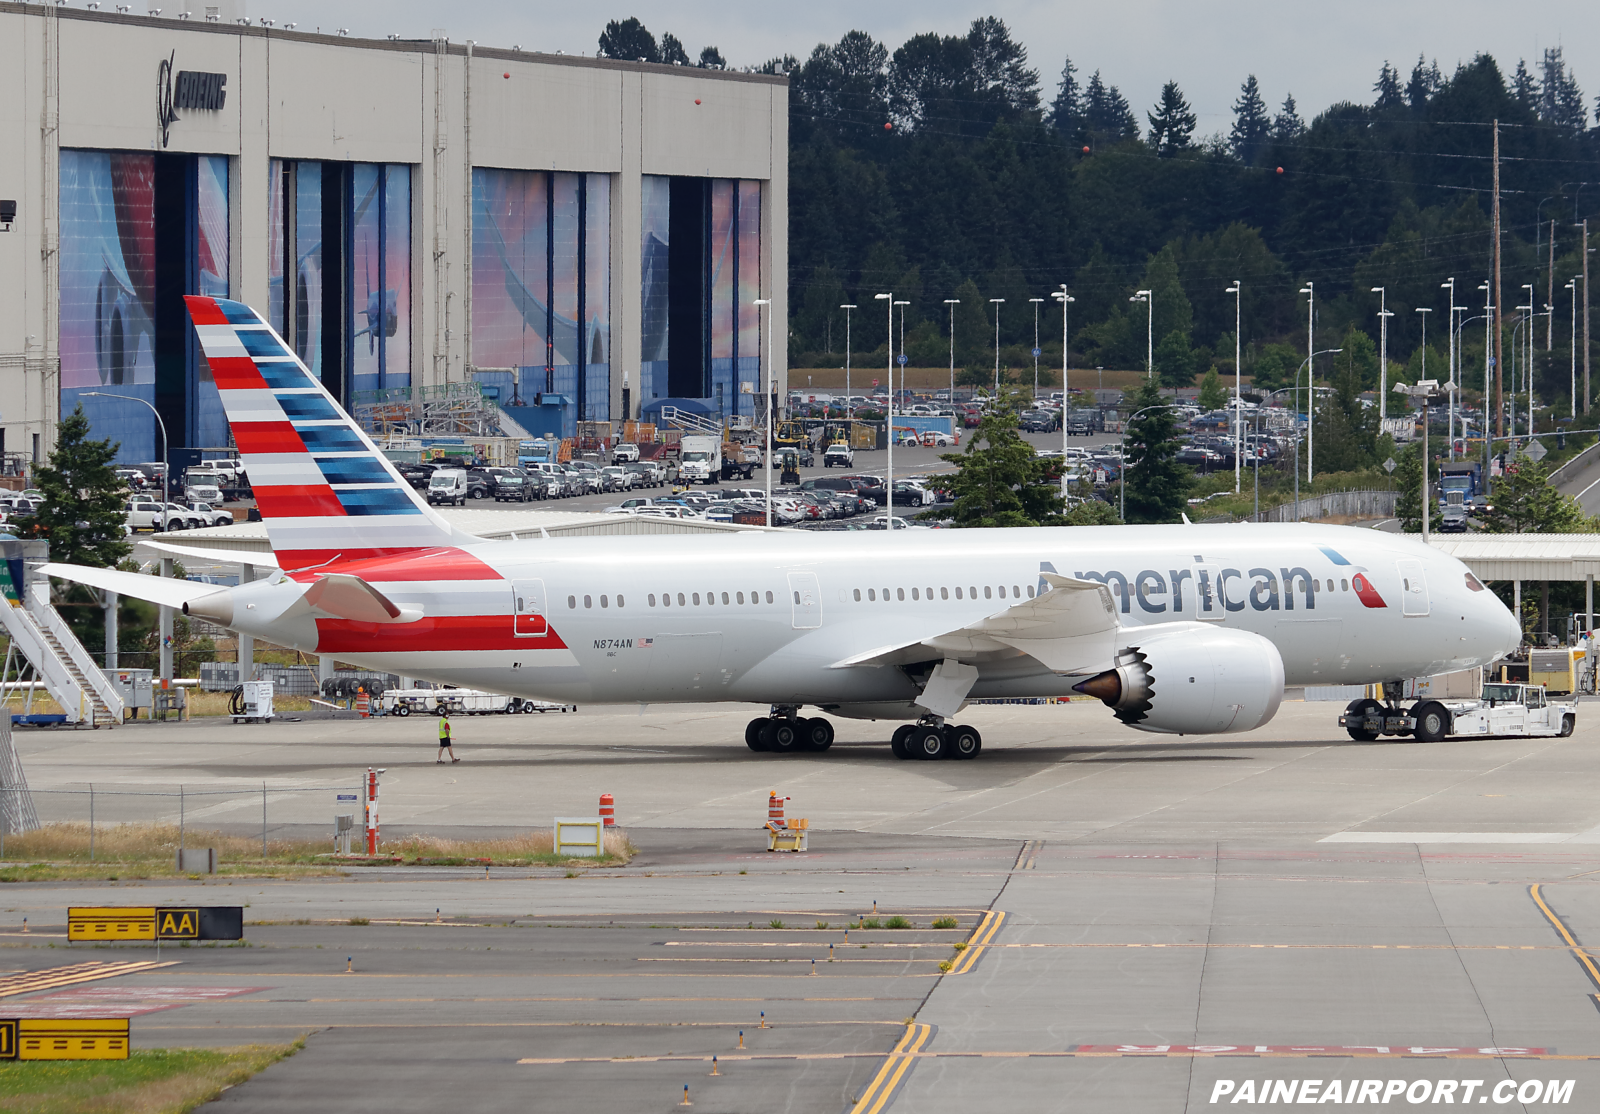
{"x":965,"y":742}
{"x":752,"y":734}
{"x":1433,"y":722}
{"x":897,"y":741}
{"x":1362,"y":707}
{"x":817,"y":733}
{"x":781,"y":735}
{"x":929,"y":743}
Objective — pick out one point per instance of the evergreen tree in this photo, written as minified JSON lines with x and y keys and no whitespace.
{"x":711,"y":59}
{"x":999,"y":479}
{"x":1171,"y":311}
{"x":1066,"y":110}
{"x":1524,"y":502}
{"x":1525,"y":87}
{"x":1408,"y":488}
{"x":1001,"y":65}
{"x":1560,"y":99}
{"x":1252,"y":126}
{"x":1424,"y":83}
{"x":1287,"y":125}
{"x":629,"y":41}
{"x":672,"y":52}
{"x":1172,"y":123}
{"x":82,"y":516}
{"x":1213,"y":395}
{"x":1388,"y":89}
{"x":1107,"y":113}
{"x":1156,"y":485}
{"x":1175,"y":360}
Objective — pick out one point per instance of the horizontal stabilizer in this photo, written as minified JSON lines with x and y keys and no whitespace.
{"x":1071,"y":628}
{"x":217,"y":556}
{"x":163,"y":590}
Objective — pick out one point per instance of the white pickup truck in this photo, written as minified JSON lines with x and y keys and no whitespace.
{"x":1502,"y":710}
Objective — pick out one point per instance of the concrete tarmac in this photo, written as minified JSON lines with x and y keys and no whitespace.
{"x":1151,"y":921}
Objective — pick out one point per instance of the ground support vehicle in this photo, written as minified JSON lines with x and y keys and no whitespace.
{"x":469,"y":702}
{"x":1501,"y":710}
{"x":700,"y":460}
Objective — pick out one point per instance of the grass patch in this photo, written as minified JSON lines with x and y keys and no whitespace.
{"x":358,"y":921}
{"x":61,"y":851}
{"x":151,"y":1081}
{"x":945,"y":922}
{"x":944,"y":966}
{"x":774,"y":923}
{"x":822,"y":924}
{"x":961,"y":947}
{"x":897,"y":921}
{"x":869,"y":922}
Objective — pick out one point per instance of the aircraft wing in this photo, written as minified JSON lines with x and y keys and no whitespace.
{"x":1071,"y":628}
{"x":163,"y":590}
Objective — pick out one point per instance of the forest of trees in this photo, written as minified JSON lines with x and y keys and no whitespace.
{"x":944,"y":168}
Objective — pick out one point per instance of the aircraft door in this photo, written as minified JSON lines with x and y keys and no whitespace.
{"x":528,"y":613}
{"x":1413,"y":587}
{"x":805,"y":600}
{"x":1210,"y":597}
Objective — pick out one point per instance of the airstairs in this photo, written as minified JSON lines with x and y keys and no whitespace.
{"x":39,"y":633}
{"x":704,"y":424}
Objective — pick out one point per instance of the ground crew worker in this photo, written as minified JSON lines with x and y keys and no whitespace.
{"x":444,"y":739}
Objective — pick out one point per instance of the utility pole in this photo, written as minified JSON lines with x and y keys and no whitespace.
{"x":1499,"y":379}
{"x":847,"y":308}
{"x":1237,"y":290}
{"x":1550,"y":293}
{"x":1585,"y":315}
{"x":952,"y":303}
{"x":1383,"y":351}
{"x":996,"y":303}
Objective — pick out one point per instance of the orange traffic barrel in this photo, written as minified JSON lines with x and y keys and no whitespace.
{"x":608,"y":810}
{"x":775,"y":810}
{"x":363,"y":703}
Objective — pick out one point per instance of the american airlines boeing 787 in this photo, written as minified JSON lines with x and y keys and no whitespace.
{"x":1179,"y":629}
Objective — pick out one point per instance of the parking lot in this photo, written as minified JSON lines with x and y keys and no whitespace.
{"x":1147,"y":916}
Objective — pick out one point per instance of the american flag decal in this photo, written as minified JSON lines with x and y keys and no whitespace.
{"x":644,"y":643}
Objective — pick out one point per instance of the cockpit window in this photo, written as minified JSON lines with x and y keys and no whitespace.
{"x":1474,"y":583}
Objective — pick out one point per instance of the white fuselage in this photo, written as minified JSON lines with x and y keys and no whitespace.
{"x":765,"y":617}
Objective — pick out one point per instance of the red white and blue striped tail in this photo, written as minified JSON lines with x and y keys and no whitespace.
{"x":324,"y":490}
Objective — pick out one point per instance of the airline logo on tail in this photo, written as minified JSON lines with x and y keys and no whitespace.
{"x":324,"y":490}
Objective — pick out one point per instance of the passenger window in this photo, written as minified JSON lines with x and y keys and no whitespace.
{"x":1030,"y":591}
{"x":652,"y":599}
{"x":741,"y":597}
{"x":858,"y":595}
{"x":886,"y":595}
{"x":604,"y":602}
{"x":900,"y":593}
{"x":797,"y":597}
{"x":724,"y":597}
{"x":914,"y":594}
{"x":697,"y":599}
{"x":769,"y":597}
{"x":958,"y":592}
{"x":1016,"y":593}
{"x":1344,"y":585}
{"x":587,"y":602}
{"x":572,"y":601}
{"x":872,"y":594}
{"x":987,"y":593}
{"x":681,"y":602}
{"x":619,"y":601}
{"x":972,"y":591}
{"x":944,"y":593}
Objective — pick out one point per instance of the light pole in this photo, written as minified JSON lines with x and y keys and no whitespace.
{"x":1515,"y":346}
{"x":847,"y":310}
{"x":902,"y":358}
{"x":1421,"y":390}
{"x":1310,"y":291}
{"x":888,"y":487}
{"x":952,"y":303}
{"x":768,"y":403}
{"x":166,"y":516}
{"x":996,"y":303}
{"x":1311,"y":391}
{"x":1573,"y":286}
{"x":1065,"y":299}
{"x":1383,"y":351}
{"x":1149,"y":329}
{"x":1237,"y":290}
{"x":1488,"y":366}
{"x":1036,"y":302}
{"x":1451,"y":286}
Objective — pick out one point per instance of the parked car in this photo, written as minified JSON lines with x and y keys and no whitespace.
{"x":625,"y":453}
{"x":511,"y":485}
{"x":480,"y":484}
{"x":209,"y":515}
{"x":839,"y":453}
{"x":618,"y":478}
{"x":180,"y":517}
{"x":416,"y":475}
{"x":1037,"y":421}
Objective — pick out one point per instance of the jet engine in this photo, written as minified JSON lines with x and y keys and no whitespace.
{"x":1192,"y":679}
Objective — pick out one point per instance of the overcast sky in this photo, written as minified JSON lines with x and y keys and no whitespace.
{"x":1322,"y":53}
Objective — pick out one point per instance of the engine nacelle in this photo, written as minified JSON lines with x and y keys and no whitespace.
{"x":1192,"y":679}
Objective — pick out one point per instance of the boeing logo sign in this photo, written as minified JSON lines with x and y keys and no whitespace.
{"x":192,"y":89}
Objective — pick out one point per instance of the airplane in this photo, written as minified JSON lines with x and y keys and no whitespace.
{"x":1178,"y":629}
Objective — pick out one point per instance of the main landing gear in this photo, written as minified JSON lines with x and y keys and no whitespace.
{"x":933,"y":738}
{"x":785,"y":731}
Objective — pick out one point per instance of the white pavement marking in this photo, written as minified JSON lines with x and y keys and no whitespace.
{"x":1449,"y":837}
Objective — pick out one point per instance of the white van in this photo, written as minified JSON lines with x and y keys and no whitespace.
{"x":448,"y":485}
